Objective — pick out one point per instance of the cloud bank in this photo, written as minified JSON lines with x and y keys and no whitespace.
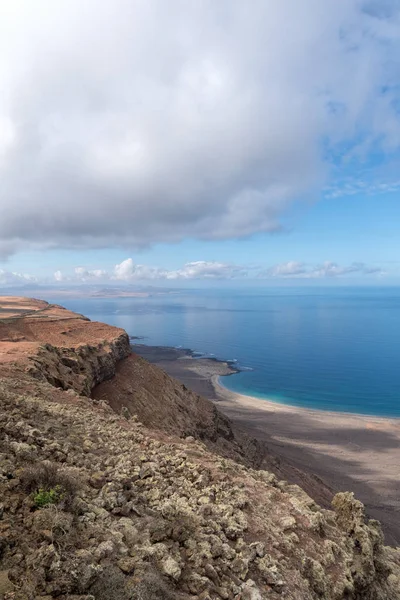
{"x":328,"y":269}
{"x":129,"y":272}
{"x":131,"y":122}
{"x":10,"y":278}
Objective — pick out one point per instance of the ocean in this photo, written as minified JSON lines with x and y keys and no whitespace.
{"x":334,"y":349}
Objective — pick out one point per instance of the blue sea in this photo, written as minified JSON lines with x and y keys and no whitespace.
{"x":334,"y":349}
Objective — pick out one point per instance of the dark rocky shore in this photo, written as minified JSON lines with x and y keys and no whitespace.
{"x":183,"y":364}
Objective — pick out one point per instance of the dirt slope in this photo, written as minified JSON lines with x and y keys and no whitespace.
{"x":160,"y":401}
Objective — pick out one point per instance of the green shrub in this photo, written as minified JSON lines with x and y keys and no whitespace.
{"x":45,"y":497}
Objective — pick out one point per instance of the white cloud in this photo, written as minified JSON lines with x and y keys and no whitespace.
{"x":327,"y":269}
{"x":128,"y":122}
{"x":288,"y":269}
{"x":208,"y":270}
{"x":9,"y":278}
{"x":331,"y":269}
{"x":128,"y":271}
{"x":352,"y":187}
{"x":125,"y":270}
{"x":83,"y":274}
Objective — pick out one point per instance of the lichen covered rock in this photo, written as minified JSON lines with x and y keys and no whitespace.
{"x":173,"y":506}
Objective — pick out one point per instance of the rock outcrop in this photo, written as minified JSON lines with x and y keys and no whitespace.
{"x":95,"y":505}
{"x":81,"y":368}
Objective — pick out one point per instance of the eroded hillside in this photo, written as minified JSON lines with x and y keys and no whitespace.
{"x":95,"y":505}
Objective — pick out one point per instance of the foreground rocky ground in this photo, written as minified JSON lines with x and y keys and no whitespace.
{"x":94,"y":505}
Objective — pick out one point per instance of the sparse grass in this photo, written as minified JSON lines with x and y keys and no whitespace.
{"x":110,"y":585}
{"x":113,"y":585}
{"x":153,"y":587}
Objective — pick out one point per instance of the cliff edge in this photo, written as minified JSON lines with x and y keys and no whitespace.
{"x":148,"y":492}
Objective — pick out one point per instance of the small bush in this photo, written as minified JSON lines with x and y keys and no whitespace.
{"x":110,"y":585}
{"x":49,"y":484}
{"x":46,"y":497}
{"x":64,"y":530}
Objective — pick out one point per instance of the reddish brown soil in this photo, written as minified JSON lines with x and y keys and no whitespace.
{"x":25,"y":324}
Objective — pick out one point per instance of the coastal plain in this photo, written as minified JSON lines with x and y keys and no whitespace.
{"x":344,"y":450}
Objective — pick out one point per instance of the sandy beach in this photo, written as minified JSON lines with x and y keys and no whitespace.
{"x":348,"y":452}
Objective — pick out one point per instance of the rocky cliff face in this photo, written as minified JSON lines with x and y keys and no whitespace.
{"x":81,"y":368}
{"x":95,"y":505}
{"x":61,"y":347}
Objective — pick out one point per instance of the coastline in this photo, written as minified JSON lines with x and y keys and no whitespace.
{"x":347,"y":451}
{"x":182,"y":363}
{"x":225,"y":393}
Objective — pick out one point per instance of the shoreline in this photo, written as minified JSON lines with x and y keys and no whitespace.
{"x":347,"y":451}
{"x":226,"y":368}
{"x":274,"y":404}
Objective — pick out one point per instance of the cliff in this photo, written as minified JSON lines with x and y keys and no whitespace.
{"x":130,"y":494}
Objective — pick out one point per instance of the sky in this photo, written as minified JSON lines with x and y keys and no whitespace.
{"x":194,"y":141}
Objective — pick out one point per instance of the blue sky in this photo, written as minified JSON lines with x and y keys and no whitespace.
{"x":200,"y":143}
{"x":345,"y":230}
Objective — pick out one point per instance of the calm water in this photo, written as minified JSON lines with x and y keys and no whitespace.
{"x":326,"y":349}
